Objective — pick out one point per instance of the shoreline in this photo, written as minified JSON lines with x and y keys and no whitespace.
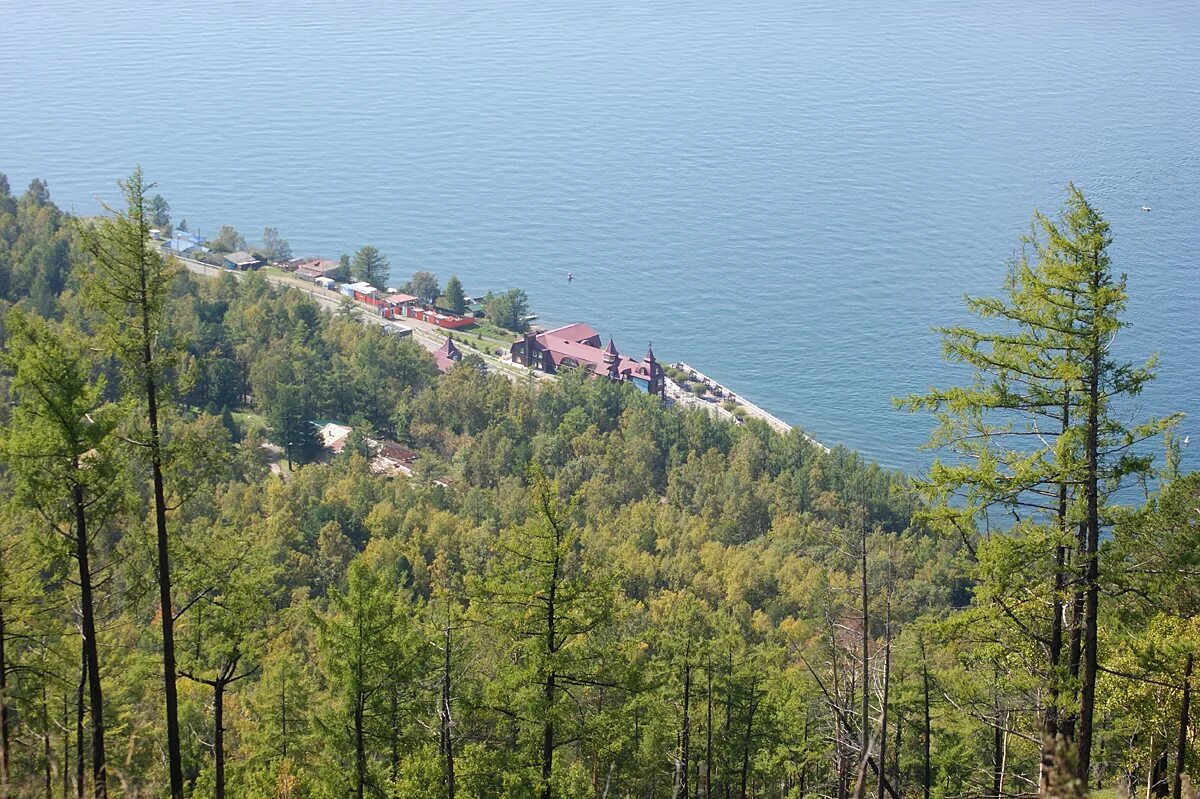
{"x":728,"y":395}
{"x":427,"y":336}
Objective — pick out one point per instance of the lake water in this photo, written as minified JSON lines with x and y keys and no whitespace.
{"x":786,"y":195}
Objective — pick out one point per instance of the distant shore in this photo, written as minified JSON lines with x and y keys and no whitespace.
{"x":717,"y":399}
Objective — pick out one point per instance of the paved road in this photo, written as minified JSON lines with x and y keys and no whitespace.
{"x":429,"y":336}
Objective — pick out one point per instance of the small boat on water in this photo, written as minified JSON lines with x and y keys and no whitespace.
{"x":1146,"y":208}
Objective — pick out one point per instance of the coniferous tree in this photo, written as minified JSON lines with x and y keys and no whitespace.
{"x":369,"y":266}
{"x":1036,"y":436}
{"x":58,"y":447}
{"x":128,"y":281}
{"x":456,"y":300}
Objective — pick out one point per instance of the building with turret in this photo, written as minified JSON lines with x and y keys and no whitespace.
{"x":578,"y":347}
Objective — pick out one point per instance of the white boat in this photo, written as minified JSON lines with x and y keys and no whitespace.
{"x":1145,"y":208}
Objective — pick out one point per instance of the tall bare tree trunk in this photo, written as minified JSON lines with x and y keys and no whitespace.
{"x":219,"y":736}
{"x":90,"y":646}
{"x":685,"y":732}
{"x":447,"y":740}
{"x":883,"y":716}
{"x":1053,"y":715}
{"x":1182,"y":742}
{"x":174,"y":751}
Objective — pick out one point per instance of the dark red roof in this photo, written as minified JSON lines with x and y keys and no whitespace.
{"x":447,"y":355}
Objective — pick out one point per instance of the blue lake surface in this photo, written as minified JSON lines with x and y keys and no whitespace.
{"x":786,"y":195}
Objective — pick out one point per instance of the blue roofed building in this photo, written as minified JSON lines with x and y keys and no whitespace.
{"x":182,"y":247}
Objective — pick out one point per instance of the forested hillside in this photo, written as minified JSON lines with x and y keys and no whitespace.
{"x":578,"y":592}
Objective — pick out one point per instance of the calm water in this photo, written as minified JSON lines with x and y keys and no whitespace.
{"x":786,"y":195}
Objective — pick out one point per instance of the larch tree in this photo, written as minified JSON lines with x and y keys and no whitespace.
{"x":58,"y":448}
{"x":128,"y":280}
{"x":547,"y":602}
{"x":1038,"y":438}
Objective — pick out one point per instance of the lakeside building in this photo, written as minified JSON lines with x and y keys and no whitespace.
{"x":363,"y":292}
{"x":578,"y":346}
{"x":183,"y":243}
{"x":241,"y":261}
{"x":447,"y":355}
{"x":312,"y":268}
{"x":396,"y":305}
{"x":402,"y":306}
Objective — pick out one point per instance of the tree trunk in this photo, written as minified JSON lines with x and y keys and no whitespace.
{"x":1087,"y":691}
{"x":219,"y":736}
{"x":446,"y":718}
{"x":1158,"y":775}
{"x":360,"y":751}
{"x":998,"y":760}
{"x":4,"y":772}
{"x":550,"y":685}
{"x":90,"y":646}
{"x":866,"y":632}
{"x":685,"y":734}
{"x":548,"y":738}
{"x":926,"y":780}
{"x":883,"y":717}
{"x":727,"y":729}
{"x":1075,"y":654}
{"x":283,"y":730}
{"x":174,"y":752}
{"x":708,"y":731}
{"x":1182,"y":742}
{"x":746,"y":742}
{"x":79,"y":721}
{"x":48,"y":775}
{"x":1054,"y":656}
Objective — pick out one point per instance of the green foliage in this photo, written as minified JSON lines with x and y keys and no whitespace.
{"x":378,"y":633}
{"x":424,"y":286}
{"x":455,"y":299}
{"x":508,"y":310}
{"x":276,"y":249}
{"x":160,"y":212}
{"x":369,"y":266}
{"x":227,"y":240}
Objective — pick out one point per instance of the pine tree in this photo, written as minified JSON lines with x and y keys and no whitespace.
{"x":369,"y":266}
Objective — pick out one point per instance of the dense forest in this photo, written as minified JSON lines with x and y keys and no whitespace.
{"x":579,"y":592}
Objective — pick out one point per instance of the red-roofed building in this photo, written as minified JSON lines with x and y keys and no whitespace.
{"x":395,"y":306}
{"x":447,"y":355}
{"x":578,"y":346}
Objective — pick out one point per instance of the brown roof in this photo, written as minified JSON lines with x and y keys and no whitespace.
{"x":393,"y":451}
{"x":317,"y":266}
